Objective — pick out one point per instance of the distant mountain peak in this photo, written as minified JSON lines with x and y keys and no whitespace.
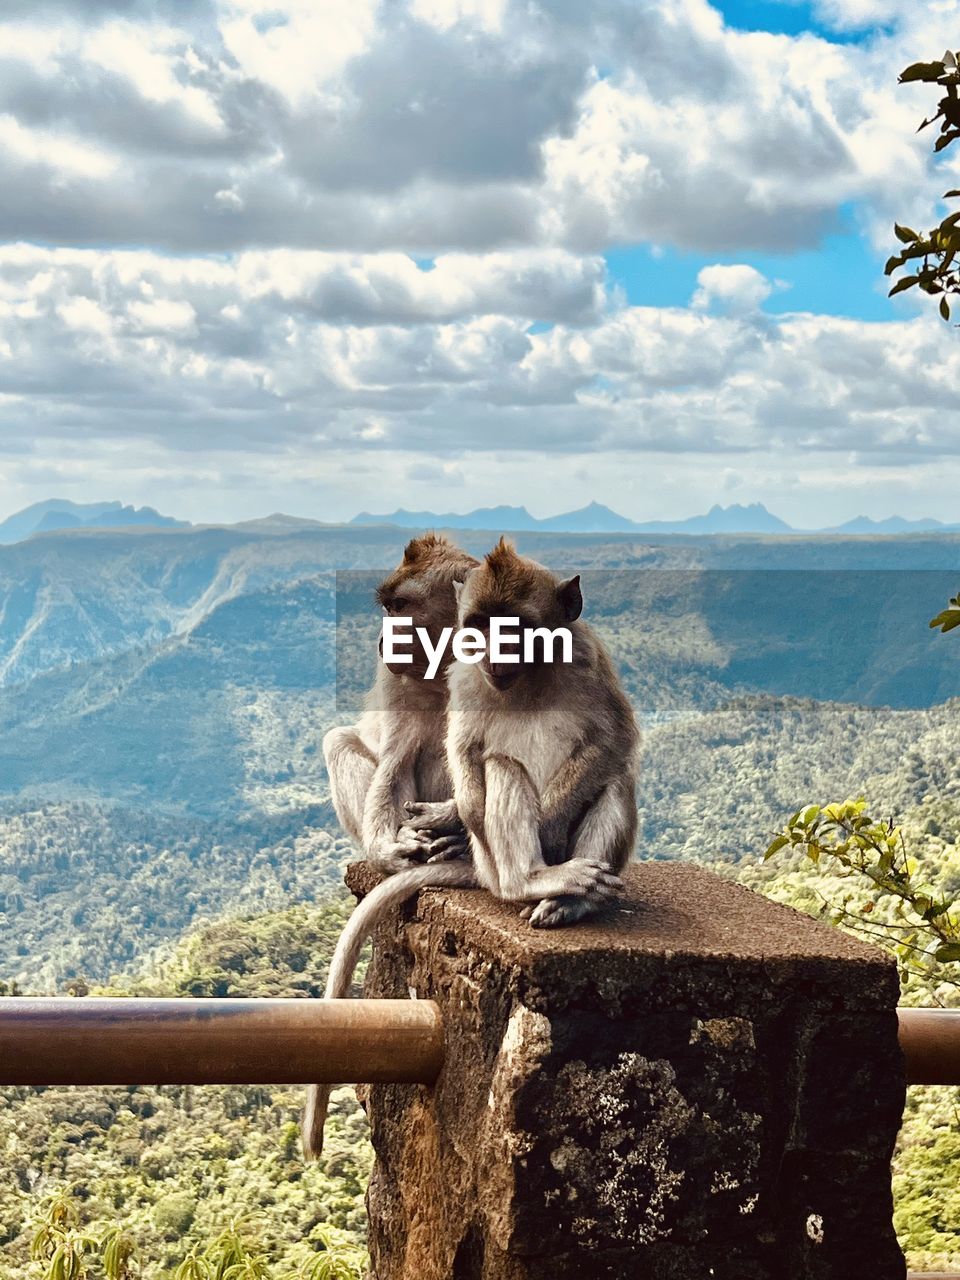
{"x":58,"y":515}
{"x":595,"y":517}
{"x":892,"y":524}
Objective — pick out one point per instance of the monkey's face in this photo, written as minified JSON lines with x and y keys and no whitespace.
{"x":422,"y":588}
{"x":408,"y":599}
{"x":510,"y":586}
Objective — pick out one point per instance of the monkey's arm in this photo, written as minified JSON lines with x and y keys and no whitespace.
{"x":569,"y":792}
{"x":507,"y":848}
{"x":392,"y":786}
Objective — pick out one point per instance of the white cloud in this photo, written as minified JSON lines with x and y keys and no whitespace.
{"x":280,"y":351}
{"x":367,"y":205}
{"x":440,"y":125}
{"x":53,"y":153}
{"x":488,"y":15}
{"x":855,"y":15}
{"x":297,"y":46}
{"x":734,"y":288}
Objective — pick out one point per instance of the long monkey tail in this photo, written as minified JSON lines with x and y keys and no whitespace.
{"x":387,"y":894}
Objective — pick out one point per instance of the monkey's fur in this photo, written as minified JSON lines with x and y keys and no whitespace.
{"x":395,"y":755}
{"x":544,"y":758}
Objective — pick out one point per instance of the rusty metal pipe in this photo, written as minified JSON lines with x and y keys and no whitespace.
{"x":146,"y":1041}
{"x":90,"y":1040}
{"x":930,"y":1040}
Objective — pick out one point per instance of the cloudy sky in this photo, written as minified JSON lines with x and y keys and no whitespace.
{"x":324,"y":255}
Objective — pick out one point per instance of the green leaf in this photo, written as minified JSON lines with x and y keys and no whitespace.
{"x":904,"y":234}
{"x":776,"y":846}
{"x":892,"y":264}
{"x":928,"y":71}
{"x":945,"y":308}
{"x":907,"y":282}
{"x":955,"y":192}
{"x":949,"y":951}
{"x":946,"y":621}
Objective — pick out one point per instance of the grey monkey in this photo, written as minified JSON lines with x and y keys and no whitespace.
{"x":395,"y":754}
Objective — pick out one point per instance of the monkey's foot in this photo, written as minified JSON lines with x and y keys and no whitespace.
{"x":401,"y":854}
{"x":551,"y":913}
{"x":580,"y":877}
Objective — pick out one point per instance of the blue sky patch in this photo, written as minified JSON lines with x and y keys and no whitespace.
{"x":782,"y":17}
{"x":843,"y":277}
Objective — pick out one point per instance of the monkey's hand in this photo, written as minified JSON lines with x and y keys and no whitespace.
{"x":404,"y":851}
{"x":437,"y":816}
{"x":436,"y":847}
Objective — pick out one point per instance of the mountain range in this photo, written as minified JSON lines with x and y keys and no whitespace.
{"x":596,"y":518}
{"x":58,"y":513}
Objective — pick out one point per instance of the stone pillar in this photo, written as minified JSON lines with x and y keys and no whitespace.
{"x":701,"y":1084}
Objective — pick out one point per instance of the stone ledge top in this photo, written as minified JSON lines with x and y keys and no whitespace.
{"x":670,"y":910}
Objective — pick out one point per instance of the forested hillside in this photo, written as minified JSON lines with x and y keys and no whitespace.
{"x":165,"y":823}
{"x":175,"y":1166}
{"x":87,"y":890}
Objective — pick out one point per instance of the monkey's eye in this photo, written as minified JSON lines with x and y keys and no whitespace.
{"x":396,"y":605}
{"x":479,"y":621}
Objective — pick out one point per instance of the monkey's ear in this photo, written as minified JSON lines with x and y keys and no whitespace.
{"x":570,"y":598}
{"x":460,"y":583}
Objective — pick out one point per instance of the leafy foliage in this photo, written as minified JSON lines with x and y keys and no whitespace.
{"x":63,"y":1250}
{"x":89,"y":889}
{"x":172,"y":1168}
{"x":924,"y":924}
{"x":932,"y":257}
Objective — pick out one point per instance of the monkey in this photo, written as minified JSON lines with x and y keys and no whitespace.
{"x":544,"y":755}
{"x":395,"y":754}
{"x":544,"y":759}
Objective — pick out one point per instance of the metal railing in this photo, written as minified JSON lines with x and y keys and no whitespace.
{"x":930,"y":1040}
{"x":88,"y":1040}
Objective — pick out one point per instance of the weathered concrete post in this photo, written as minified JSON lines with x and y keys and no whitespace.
{"x":704,"y":1084}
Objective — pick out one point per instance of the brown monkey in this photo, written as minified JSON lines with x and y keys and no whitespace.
{"x":544,"y":755}
{"x":395,"y":754}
